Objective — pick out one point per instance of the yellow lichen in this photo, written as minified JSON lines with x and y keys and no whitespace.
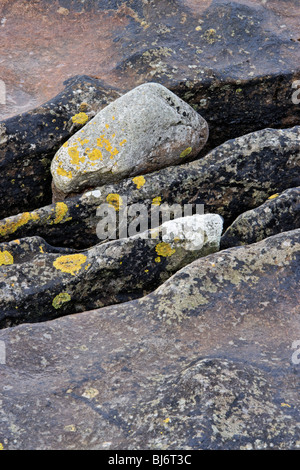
{"x":114,"y":200}
{"x":273,"y":196}
{"x":80,"y":118}
{"x":156,"y":201}
{"x":6,"y":258}
{"x":185,"y":152}
{"x":139,"y":181}
{"x":70,"y":264}
{"x":61,"y":172}
{"x":164,"y":249}
{"x":11,"y":224}
{"x":74,"y":154}
{"x":60,"y":299}
{"x":157,"y":260}
{"x":122,"y":142}
{"x":61,"y":210}
{"x":1,"y":446}
{"x":103,"y":142}
{"x":95,"y":154}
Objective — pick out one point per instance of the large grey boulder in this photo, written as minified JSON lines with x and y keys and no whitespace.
{"x":146,"y":129}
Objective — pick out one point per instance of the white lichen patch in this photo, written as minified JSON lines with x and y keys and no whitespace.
{"x":193,"y":231}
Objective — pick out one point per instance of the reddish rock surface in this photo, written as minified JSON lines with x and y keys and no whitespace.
{"x":44,"y":43}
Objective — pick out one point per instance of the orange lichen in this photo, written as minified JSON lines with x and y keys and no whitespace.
{"x":114,"y":200}
{"x":70,"y":264}
{"x":139,"y":181}
{"x":164,"y":249}
{"x":6,"y":258}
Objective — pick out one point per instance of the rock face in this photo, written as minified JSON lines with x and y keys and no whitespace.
{"x":146,"y":129}
{"x":29,"y":141}
{"x":280,"y":213}
{"x":221,"y":57}
{"x":190,"y":347}
{"x":207,"y":361}
{"x":49,"y":282}
{"x":236,"y":176}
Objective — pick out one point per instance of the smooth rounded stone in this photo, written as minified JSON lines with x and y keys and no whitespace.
{"x":207,"y":361}
{"x":144,"y":130}
{"x":280,"y":213}
{"x":51,"y":282}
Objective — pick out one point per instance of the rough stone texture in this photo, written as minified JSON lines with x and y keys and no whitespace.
{"x":280,"y":213}
{"x":204,"y":362}
{"x":144,"y":130}
{"x":29,"y":141}
{"x":38,"y":284}
{"x":219,"y":56}
{"x":236,"y":176}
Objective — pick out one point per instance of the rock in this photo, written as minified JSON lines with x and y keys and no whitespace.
{"x":221,"y":58}
{"x":50,"y":282}
{"x":236,"y":176}
{"x":29,"y":141}
{"x":146,"y":129}
{"x":207,"y":361}
{"x":280,"y":213}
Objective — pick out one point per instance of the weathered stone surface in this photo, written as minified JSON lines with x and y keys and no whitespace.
{"x":38,"y":284}
{"x":144,"y":130}
{"x":29,"y":141}
{"x":280,"y":213}
{"x":235,"y":177}
{"x":221,"y":57}
{"x":205,"y":362}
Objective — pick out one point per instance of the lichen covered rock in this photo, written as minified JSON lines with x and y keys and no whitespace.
{"x":237,"y":176}
{"x":51,"y":282}
{"x":280,"y":213}
{"x":146,"y":129}
{"x":204,"y":362}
